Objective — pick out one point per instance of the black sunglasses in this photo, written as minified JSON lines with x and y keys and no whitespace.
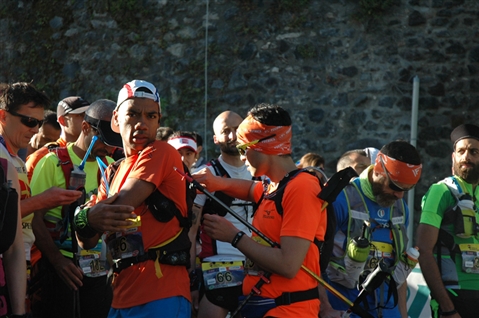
{"x":393,"y":186}
{"x":27,"y":121}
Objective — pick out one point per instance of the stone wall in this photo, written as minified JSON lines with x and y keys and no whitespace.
{"x":346,"y":78}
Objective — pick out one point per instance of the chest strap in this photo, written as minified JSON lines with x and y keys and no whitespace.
{"x":297,"y":296}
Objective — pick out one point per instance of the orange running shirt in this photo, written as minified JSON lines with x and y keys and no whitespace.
{"x":301,"y":218}
{"x":138,"y":284}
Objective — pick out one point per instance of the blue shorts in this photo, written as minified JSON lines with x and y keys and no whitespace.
{"x":172,"y":307}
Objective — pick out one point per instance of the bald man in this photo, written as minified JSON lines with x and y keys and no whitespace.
{"x":356,"y":159}
{"x":218,"y":301}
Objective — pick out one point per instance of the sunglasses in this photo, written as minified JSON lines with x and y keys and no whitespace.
{"x":28,"y":121}
{"x":243,"y":147}
{"x":392,"y":185}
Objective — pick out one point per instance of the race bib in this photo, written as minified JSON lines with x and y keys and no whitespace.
{"x":222,"y":274}
{"x":470,"y":258}
{"x":125,"y":245}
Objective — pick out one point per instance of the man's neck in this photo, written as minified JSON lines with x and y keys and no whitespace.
{"x":10,"y":147}
{"x":234,"y":161}
{"x":279,"y":167}
{"x":79,"y":148}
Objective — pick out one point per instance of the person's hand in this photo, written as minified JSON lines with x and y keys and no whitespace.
{"x":195,"y":299}
{"x":207,"y":179}
{"x":219,"y":228}
{"x":105,"y":216}
{"x":55,"y":196}
{"x":68,"y":272}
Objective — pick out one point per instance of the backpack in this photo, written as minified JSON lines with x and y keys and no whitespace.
{"x":328,"y":193}
{"x":211,"y":206}
{"x":454,"y":215}
{"x":175,"y":252}
{"x":163,"y":208}
{"x":8,"y":209}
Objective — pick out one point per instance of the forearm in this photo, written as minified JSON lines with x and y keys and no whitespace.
{"x":285,"y":261}
{"x":402,"y":298}
{"x":43,"y":240}
{"x":32,"y":204}
{"x":16,"y":272}
{"x":236,"y":188}
{"x":434,"y":281}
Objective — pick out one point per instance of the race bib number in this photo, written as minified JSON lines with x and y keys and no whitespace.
{"x":222,"y":274}
{"x":124,"y":245}
{"x":91,"y":264}
{"x":470,"y":258}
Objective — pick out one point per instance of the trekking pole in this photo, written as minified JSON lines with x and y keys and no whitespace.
{"x":356,"y":309}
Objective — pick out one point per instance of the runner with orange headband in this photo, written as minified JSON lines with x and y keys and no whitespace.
{"x":265,"y":146}
{"x":376,"y":197}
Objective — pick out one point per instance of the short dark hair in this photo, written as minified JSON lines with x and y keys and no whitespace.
{"x":272,"y":115}
{"x":21,"y":93}
{"x":345,"y":159}
{"x":199,"y":139}
{"x":50,"y":118}
{"x":163,"y":133}
{"x":403,"y":151}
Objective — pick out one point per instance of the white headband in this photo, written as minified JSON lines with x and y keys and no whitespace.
{"x":183,"y":142}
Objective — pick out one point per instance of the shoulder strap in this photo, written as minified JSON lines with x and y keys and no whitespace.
{"x":113,"y":168}
{"x":277,"y":195}
{"x":64,"y":162}
{"x":219,"y":169}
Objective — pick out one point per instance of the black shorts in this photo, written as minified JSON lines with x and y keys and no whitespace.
{"x":225,"y":297}
{"x":52,"y":298}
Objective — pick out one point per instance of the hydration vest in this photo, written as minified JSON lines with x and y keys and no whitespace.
{"x":448,"y":242}
{"x":358,"y":213}
{"x":209,"y":247}
{"x":61,"y":227}
{"x":325,"y":247}
{"x":174,"y":251}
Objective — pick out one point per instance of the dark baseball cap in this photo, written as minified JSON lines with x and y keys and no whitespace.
{"x":464,"y":131}
{"x":72,"y":105}
{"x":103,"y":108}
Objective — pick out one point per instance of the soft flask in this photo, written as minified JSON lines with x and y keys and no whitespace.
{"x":407,"y":262}
{"x":465,"y":217}
{"x":357,"y":253}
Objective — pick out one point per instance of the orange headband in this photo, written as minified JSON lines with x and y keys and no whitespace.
{"x":398,"y":171}
{"x":250,"y":130}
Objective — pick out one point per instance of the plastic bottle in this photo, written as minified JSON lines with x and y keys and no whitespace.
{"x":77,"y":179}
{"x":406,"y":264}
{"x":357,"y":253}
{"x":465,"y":227}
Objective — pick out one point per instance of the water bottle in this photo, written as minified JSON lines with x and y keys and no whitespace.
{"x":406,"y":264}
{"x":357,"y":253}
{"x":77,"y":179}
{"x":465,"y":217}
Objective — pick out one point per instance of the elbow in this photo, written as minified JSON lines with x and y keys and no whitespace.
{"x":290,"y":272}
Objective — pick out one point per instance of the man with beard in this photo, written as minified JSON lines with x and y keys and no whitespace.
{"x":372,"y":206}
{"x":447,"y":236}
{"x":218,"y":301}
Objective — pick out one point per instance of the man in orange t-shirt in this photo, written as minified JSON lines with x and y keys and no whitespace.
{"x":145,"y":284}
{"x":265,"y":137}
